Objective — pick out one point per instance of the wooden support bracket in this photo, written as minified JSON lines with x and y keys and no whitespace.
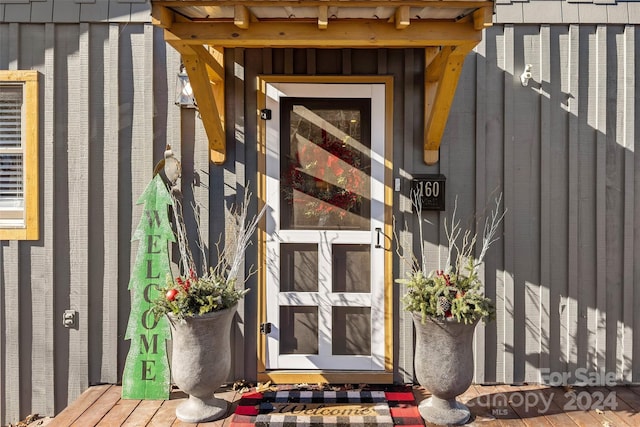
{"x":442,"y":73}
{"x":205,"y":68}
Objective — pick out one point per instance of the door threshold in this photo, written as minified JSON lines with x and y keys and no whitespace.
{"x":328,"y":377}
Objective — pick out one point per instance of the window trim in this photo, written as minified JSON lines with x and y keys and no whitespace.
{"x":30,"y":230}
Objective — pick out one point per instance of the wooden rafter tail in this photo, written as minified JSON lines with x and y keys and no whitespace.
{"x":323,"y":17}
{"x":402,"y":17}
{"x":206,"y":74}
{"x":242,"y":16}
{"x":162,"y":16}
{"x":482,"y":18}
{"x":441,"y":79}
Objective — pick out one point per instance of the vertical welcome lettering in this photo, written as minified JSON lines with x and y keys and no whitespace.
{"x":146,"y":372}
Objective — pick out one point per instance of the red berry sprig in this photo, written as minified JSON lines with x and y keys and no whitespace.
{"x":171,"y":294}
{"x":446,"y":277}
{"x":185,"y":284}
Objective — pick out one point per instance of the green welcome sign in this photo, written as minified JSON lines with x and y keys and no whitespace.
{"x":146,"y":372}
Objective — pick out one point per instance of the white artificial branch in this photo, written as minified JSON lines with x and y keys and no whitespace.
{"x":461,"y":251}
{"x":490,"y":229}
{"x":185,"y":263}
{"x":416,"y":201}
{"x":452,"y":232}
{"x":241,"y":232}
{"x":200,"y":240}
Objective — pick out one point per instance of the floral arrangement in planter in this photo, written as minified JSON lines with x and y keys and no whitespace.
{"x":455,"y":291}
{"x":446,"y":305}
{"x":329,"y":174}
{"x":190,"y":294}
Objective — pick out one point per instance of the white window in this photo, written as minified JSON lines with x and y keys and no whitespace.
{"x":18,"y":155}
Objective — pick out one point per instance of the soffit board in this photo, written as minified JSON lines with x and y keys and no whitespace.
{"x":335,"y":10}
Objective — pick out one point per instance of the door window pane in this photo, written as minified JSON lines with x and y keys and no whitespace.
{"x":299,"y":267}
{"x":352,"y":331}
{"x":326,"y":162}
{"x":351,"y":268}
{"x":298,"y":330}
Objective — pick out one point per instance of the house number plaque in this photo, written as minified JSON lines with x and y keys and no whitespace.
{"x":431,"y":191}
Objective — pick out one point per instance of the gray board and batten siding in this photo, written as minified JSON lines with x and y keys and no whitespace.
{"x":564,"y":274}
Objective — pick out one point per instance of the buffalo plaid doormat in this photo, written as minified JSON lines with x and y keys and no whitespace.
{"x":384,"y":407}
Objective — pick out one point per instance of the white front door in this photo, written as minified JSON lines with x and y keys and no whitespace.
{"x":325,"y":194}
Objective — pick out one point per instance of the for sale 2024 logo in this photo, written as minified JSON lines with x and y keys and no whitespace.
{"x":575,"y":399}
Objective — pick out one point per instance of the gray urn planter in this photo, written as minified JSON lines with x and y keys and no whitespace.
{"x":444,"y":366}
{"x":201,"y":362}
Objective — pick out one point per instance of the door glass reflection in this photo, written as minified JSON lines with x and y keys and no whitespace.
{"x":326,"y":161}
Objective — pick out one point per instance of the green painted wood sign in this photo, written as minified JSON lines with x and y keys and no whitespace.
{"x":146,"y":372}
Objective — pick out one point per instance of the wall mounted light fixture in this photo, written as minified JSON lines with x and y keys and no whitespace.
{"x":184,"y":92}
{"x":526,"y":75}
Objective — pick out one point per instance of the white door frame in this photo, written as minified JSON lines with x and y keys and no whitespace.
{"x":382,"y":185}
{"x":324,"y":298}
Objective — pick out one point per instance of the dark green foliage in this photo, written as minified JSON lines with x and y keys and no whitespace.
{"x":447,"y":295}
{"x":192,"y":296}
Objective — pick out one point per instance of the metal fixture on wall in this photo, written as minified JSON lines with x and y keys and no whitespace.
{"x":184,"y":92}
{"x":526,"y":75}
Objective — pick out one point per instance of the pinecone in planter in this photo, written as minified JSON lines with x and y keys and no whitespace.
{"x":444,"y":304}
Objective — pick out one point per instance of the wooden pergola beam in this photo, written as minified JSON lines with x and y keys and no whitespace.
{"x":365,"y":34}
{"x":205,"y":68}
{"x":241,"y":17}
{"x":441,"y":79}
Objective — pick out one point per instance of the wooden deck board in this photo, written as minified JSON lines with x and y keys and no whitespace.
{"x":628,"y":404}
{"x":555,"y":414}
{"x":99,"y":408}
{"x":143,"y":413}
{"x":119,"y":413}
{"x":517,"y":406}
{"x":496,"y":408}
{"x":473,"y":399}
{"x":564,"y":400}
{"x":492,"y":406}
{"x":166,"y":414}
{"x":77,"y":408}
{"x":232,"y":397}
{"x":599,"y":401}
{"x":178,"y":423}
{"x":635,"y":389}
